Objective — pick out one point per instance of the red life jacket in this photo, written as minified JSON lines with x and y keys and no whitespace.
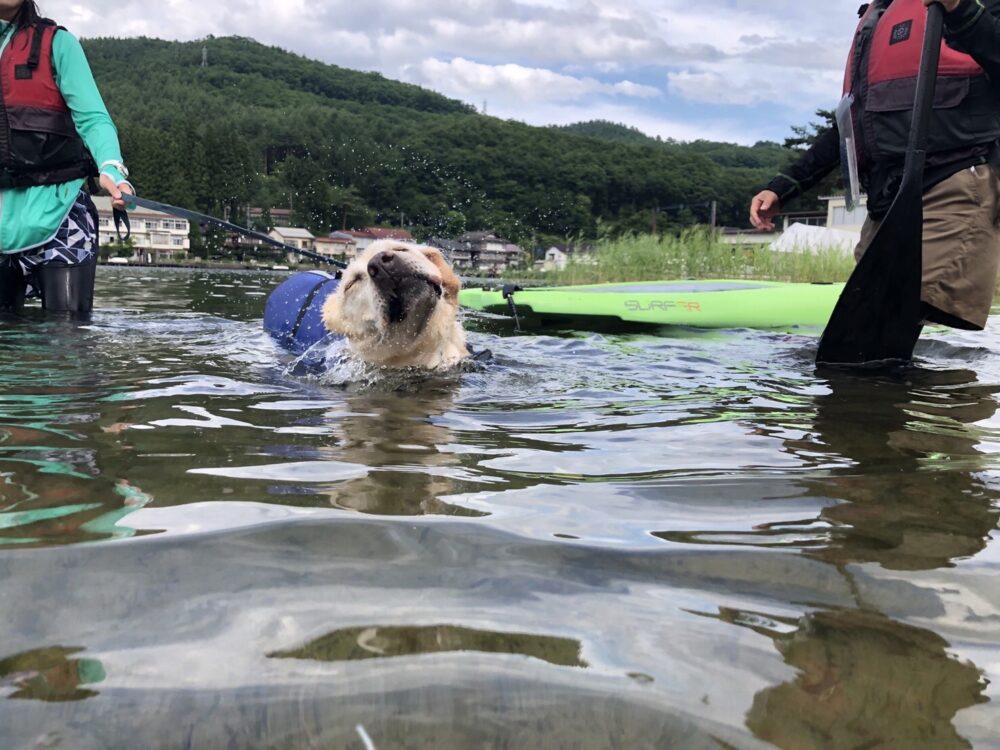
{"x":39,"y":143}
{"x":882,"y":76}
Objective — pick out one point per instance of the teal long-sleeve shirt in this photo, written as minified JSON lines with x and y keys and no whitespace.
{"x":29,"y":217}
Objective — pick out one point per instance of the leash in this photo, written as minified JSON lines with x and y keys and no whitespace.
{"x":121,"y":219}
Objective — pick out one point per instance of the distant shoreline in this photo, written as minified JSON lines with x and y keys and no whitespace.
{"x":206,"y":266}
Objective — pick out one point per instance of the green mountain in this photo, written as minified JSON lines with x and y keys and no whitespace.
{"x":613,"y":132}
{"x":225,"y":123}
{"x":763,"y":155}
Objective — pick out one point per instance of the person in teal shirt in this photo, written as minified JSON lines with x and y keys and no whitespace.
{"x":55,"y":135}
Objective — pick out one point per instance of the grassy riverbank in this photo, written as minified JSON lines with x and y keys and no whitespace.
{"x":698,"y":255}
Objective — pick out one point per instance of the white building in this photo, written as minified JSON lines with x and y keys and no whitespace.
{"x":361,"y":239}
{"x":838,"y":217}
{"x":296,"y":237}
{"x":156,"y":236}
{"x":491,"y":253}
{"x":558,"y":257}
{"x":336,"y":247}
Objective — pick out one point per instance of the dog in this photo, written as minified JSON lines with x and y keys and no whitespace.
{"x":397,"y":306}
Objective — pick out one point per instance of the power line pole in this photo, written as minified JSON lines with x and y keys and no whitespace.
{"x":715,"y":213}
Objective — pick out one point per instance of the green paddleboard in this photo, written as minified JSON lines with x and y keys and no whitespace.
{"x":699,"y":304}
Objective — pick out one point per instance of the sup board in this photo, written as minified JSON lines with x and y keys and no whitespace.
{"x":699,"y":304}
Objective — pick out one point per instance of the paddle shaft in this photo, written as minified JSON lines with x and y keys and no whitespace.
{"x":923,"y":106}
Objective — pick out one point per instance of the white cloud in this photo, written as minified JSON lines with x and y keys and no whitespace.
{"x":541,"y":53}
{"x":743,"y":87}
{"x":515,"y":83}
{"x":712,"y":88}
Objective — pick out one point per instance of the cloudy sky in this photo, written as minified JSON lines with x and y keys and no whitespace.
{"x":721,"y":69}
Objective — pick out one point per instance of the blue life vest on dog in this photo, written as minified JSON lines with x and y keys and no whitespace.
{"x":293,"y":314}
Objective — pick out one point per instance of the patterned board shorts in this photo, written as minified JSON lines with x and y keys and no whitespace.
{"x":74,"y":243}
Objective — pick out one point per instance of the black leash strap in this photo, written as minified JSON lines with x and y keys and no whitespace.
{"x":508,"y":294}
{"x":121,"y":219}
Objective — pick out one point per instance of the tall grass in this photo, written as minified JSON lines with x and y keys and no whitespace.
{"x":697,"y":254}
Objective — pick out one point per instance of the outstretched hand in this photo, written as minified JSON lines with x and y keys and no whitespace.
{"x":115,"y":191}
{"x":949,"y":5}
{"x":763,"y":208}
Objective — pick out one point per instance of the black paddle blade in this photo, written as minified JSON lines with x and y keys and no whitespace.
{"x":877,"y":318}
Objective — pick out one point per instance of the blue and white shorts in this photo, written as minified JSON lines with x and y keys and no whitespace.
{"x":74,"y":243}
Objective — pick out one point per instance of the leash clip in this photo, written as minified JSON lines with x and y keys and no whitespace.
{"x":508,"y":294}
{"x":121,"y":218}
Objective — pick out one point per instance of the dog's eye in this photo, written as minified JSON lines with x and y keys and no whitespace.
{"x":351,"y":283}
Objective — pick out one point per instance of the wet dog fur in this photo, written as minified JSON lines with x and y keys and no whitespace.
{"x":397,"y":306}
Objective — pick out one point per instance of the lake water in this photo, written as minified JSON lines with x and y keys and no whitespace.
{"x":688,"y":540}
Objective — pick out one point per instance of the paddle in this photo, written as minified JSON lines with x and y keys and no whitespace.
{"x":877,"y":318}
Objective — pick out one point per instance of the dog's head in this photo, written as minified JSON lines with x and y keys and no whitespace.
{"x":397,"y":305}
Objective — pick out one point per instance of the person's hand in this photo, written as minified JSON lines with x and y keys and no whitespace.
{"x":949,"y":5}
{"x":763,"y":208}
{"x":115,"y":191}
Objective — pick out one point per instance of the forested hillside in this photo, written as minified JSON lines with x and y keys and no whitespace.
{"x":260,"y":126}
{"x":767,"y":156}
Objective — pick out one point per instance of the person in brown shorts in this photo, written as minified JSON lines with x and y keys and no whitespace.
{"x":961,"y":233}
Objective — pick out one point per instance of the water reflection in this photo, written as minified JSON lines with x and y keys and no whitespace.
{"x":914,"y":498}
{"x":354,"y":644}
{"x":900,"y":471}
{"x":863,"y":680}
{"x":381,"y":451}
{"x":50,"y":674}
{"x":52,"y":487}
{"x":397,"y":436}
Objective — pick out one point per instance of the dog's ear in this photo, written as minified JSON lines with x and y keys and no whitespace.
{"x":449,"y":280}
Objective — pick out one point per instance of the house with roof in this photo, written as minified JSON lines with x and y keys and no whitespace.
{"x":362,"y":238}
{"x":281,"y":216}
{"x":490,"y":252}
{"x":297,"y":237}
{"x":557,"y":257}
{"x":380,"y":233}
{"x":359,"y":237}
{"x":333,"y":246}
{"x":156,"y":237}
{"x":294,"y":236}
{"x":459,"y":254}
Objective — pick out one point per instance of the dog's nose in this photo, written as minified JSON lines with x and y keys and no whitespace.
{"x":381,"y":262}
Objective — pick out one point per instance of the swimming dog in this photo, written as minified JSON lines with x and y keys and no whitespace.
{"x":397,"y":306}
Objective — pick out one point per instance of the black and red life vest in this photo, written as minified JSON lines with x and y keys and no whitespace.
{"x":882,"y":76}
{"x":39,"y":144}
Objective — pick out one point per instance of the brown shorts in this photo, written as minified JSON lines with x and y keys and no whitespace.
{"x":961,"y":247}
